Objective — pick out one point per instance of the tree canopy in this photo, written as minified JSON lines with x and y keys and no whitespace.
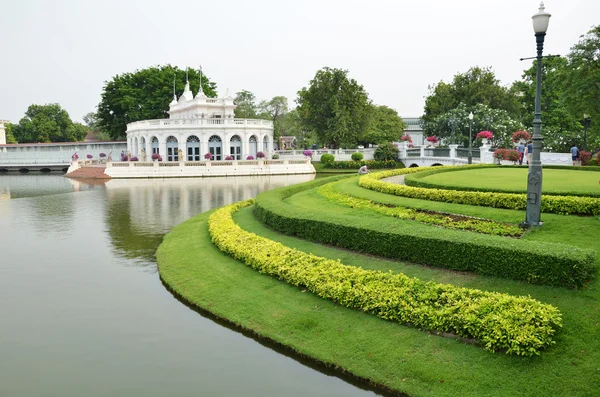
{"x":384,"y":126}
{"x":10,"y":138}
{"x":48,"y":123}
{"x":143,"y":95}
{"x":335,"y":107}
{"x":246,"y":108}
{"x":476,"y":86}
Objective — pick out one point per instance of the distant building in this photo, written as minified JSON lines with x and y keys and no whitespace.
{"x":414,"y":129}
{"x":200,"y":125}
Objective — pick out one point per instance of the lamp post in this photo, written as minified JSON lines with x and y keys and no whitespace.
{"x":453,"y":127}
{"x":586,"y":123}
{"x":534,"y":177}
{"x":470,"y":158}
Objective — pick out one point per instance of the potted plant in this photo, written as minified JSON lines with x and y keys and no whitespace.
{"x":208,"y":156}
{"x":484,"y":136}
{"x":432,"y":140}
{"x":406,"y":138}
{"x":156,"y":157}
{"x":230,"y":157}
{"x":521,"y":136}
{"x":308,"y":153}
{"x":250,"y":157}
{"x":260,"y":155}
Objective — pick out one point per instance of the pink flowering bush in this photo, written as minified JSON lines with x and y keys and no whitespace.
{"x":230,"y":157}
{"x":260,"y":155}
{"x":156,"y":156}
{"x":432,"y":139}
{"x":406,"y":138}
{"x":250,"y":157}
{"x":308,"y":153}
{"x":484,"y":135}
{"x":208,"y":156}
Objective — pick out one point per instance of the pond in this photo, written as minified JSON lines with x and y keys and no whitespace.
{"x":82,"y":309}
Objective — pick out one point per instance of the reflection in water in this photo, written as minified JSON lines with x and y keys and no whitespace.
{"x":77,"y":312}
{"x":140,"y":212}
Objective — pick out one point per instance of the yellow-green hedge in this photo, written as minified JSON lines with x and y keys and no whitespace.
{"x":565,"y":205}
{"x":516,"y":325}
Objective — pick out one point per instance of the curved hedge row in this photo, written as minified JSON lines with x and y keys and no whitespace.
{"x":446,"y":220}
{"x":564,"y":205}
{"x":415,"y":180}
{"x":519,"y":325}
{"x":534,"y":262}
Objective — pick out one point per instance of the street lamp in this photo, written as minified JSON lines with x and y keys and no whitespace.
{"x":534,"y":177}
{"x":586,"y":123}
{"x":470,"y":158}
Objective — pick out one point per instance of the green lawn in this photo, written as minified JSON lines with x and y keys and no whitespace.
{"x":514,"y":179}
{"x":381,"y":352}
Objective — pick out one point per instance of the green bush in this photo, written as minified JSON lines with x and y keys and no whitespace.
{"x":357,"y":156}
{"x":518,"y":325}
{"x":373,"y":164}
{"x":275,"y":156}
{"x":327,"y":159}
{"x":386,"y":151}
{"x":534,"y":262}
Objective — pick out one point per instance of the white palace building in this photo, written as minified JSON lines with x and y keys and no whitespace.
{"x":200,"y":125}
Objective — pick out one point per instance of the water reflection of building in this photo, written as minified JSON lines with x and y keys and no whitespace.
{"x":4,"y":193}
{"x":154,"y":205}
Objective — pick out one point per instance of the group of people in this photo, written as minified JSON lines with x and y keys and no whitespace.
{"x":525,"y":152}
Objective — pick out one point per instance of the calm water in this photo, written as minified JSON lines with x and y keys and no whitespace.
{"x":83,"y":312}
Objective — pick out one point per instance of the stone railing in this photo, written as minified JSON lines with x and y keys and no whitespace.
{"x":191,"y":123}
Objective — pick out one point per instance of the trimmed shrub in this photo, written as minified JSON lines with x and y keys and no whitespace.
{"x":275,"y":156}
{"x":518,"y":325}
{"x":386,"y":151}
{"x":327,"y":158}
{"x":357,"y":156}
{"x":230,"y":157}
{"x":534,"y":262}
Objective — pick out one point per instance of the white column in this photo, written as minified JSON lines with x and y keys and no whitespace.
{"x":453,"y":151}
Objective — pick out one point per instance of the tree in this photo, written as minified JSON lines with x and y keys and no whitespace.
{"x":91,"y":121}
{"x":144,"y":94}
{"x":48,"y":123}
{"x":334,"y":107}
{"x":245,"y":105}
{"x":456,"y":120}
{"x":384,"y":126}
{"x":478,"y":86}
{"x":560,"y":128}
{"x":581,"y":83}
{"x":275,"y":110}
{"x":10,"y":138}
{"x":290,"y":124}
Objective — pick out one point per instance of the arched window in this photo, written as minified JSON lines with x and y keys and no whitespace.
{"x":235,"y":147}
{"x":172,"y":154}
{"x":193,"y":148}
{"x":253,"y":149}
{"x":155,"y":145}
{"x":215,"y":147}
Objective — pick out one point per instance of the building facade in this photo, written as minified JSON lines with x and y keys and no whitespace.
{"x":197,"y":126}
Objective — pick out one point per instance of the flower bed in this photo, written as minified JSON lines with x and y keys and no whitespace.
{"x":517,"y":325}
{"x":443,"y":220}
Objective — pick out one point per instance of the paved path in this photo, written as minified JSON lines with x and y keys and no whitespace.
{"x":398,"y":179}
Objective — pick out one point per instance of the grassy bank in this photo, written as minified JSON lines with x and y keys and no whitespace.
{"x":399,"y":357}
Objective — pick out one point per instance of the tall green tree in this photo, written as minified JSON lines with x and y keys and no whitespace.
{"x":582,"y":82}
{"x":144,"y":94}
{"x":48,"y":123}
{"x":335,"y":107}
{"x":560,"y":127}
{"x":274,"y":110}
{"x":246,"y":107}
{"x":10,"y":138}
{"x":477,"y":86}
{"x":384,"y":126}
{"x":290,"y":124}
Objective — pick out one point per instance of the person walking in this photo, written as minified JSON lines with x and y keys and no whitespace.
{"x":521,"y":150}
{"x":529,"y":152}
{"x":575,"y":154}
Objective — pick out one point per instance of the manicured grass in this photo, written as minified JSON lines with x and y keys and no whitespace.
{"x":400,"y":357}
{"x":320,"y":168}
{"x":514,"y":179}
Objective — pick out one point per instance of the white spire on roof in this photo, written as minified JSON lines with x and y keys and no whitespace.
{"x":174,"y":101}
{"x":187,"y":93}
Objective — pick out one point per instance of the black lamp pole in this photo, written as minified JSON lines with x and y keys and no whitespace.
{"x":586,"y":123}
{"x":470,"y":158}
{"x":534,"y":177}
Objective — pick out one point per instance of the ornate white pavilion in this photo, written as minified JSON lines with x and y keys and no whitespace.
{"x":200,"y":125}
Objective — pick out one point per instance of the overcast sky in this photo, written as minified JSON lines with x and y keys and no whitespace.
{"x":63,"y":51}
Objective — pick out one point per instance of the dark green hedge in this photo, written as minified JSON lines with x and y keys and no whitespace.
{"x":534,"y":262}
